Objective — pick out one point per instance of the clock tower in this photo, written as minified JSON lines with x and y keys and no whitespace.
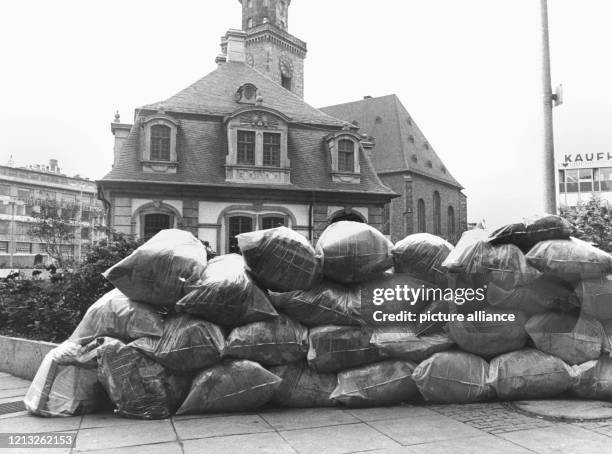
{"x":269,"y":47}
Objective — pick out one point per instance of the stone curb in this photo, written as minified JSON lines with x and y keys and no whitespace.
{"x":22,"y":357}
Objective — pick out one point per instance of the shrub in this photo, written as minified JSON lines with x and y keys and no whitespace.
{"x":592,"y":222}
{"x":50,"y":310}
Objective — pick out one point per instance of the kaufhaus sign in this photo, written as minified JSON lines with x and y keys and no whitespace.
{"x":601,"y":159}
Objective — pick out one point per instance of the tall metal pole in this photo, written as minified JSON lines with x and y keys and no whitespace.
{"x":548,"y":164}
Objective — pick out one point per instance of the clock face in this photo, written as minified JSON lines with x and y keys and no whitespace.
{"x":250,"y":59}
{"x":286,"y":66}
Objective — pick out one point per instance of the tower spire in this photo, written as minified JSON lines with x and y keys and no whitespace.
{"x":260,"y":12}
{"x":269,"y":47}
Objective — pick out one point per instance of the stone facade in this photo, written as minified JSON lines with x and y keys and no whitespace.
{"x":404,"y":209}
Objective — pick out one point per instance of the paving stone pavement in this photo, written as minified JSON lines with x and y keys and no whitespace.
{"x":431,"y":429}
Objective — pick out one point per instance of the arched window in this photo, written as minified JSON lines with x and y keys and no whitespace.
{"x":437,"y":213}
{"x":153,"y":223}
{"x":346,"y":156}
{"x":236,"y":226}
{"x":421,"y":220}
{"x":451,"y":221}
{"x":160,"y":143}
{"x":266,"y":20}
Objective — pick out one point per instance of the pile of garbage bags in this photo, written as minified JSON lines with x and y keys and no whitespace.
{"x":291,"y":325}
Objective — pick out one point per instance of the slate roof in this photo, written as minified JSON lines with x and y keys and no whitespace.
{"x":400,"y":144}
{"x":202,"y":143}
{"x":213,"y":94}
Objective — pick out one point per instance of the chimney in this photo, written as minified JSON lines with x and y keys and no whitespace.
{"x":120,"y":131}
{"x":53,"y":165}
{"x":232,"y":47}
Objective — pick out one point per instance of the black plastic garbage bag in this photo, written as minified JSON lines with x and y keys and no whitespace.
{"x":187,"y":344}
{"x":571,"y":257}
{"x":453,"y":377}
{"x":403,"y":342}
{"x":532,"y":230}
{"x":595,"y":297}
{"x":422,"y":255}
{"x":467,"y":256}
{"x":157,"y":271}
{"x":503,"y":264}
{"x":489,"y":338}
{"x":593,"y":379}
{"x":574,"y":339}
{"x":326,"y":304}
{"x":394,"y":293}
{"x":354,"y":252}
{"x":115,"y":315}
{"x":230,"y":386}
{"x":281,"y":259}
{"x":138,"y":386}
{"x":336,"y":348}
{"x":547,"y":293}
{"x":227,"y":295}
{"x":529,"y":374}
{"x":270,"y":343}
{"x":303,"y":387}
{"x":66,"y":383}
{"x":385,"y":383}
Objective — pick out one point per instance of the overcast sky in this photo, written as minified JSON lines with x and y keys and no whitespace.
{"x":468,"y":71}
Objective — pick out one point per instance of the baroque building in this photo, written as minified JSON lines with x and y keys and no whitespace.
{"x":239,"y":149}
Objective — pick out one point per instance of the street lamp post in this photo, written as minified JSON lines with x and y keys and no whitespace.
{"x":548,"y":164}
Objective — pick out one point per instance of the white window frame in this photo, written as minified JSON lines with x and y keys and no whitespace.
{"x":163,"y":120}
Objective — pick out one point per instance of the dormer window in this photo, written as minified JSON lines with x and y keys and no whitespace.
{"x":257,"y":147}
{"x":346,"y":155}
{"x":344,"y":148}
{"x":160,"y":143}
{"x":158,"y":150}
{"x":250,"y":22}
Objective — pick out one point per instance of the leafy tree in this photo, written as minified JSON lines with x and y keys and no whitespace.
{"x":55,"y":225}
{"x":592,"y":222}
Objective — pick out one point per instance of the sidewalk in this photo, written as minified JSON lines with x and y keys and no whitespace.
{"x":473,"y":428}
